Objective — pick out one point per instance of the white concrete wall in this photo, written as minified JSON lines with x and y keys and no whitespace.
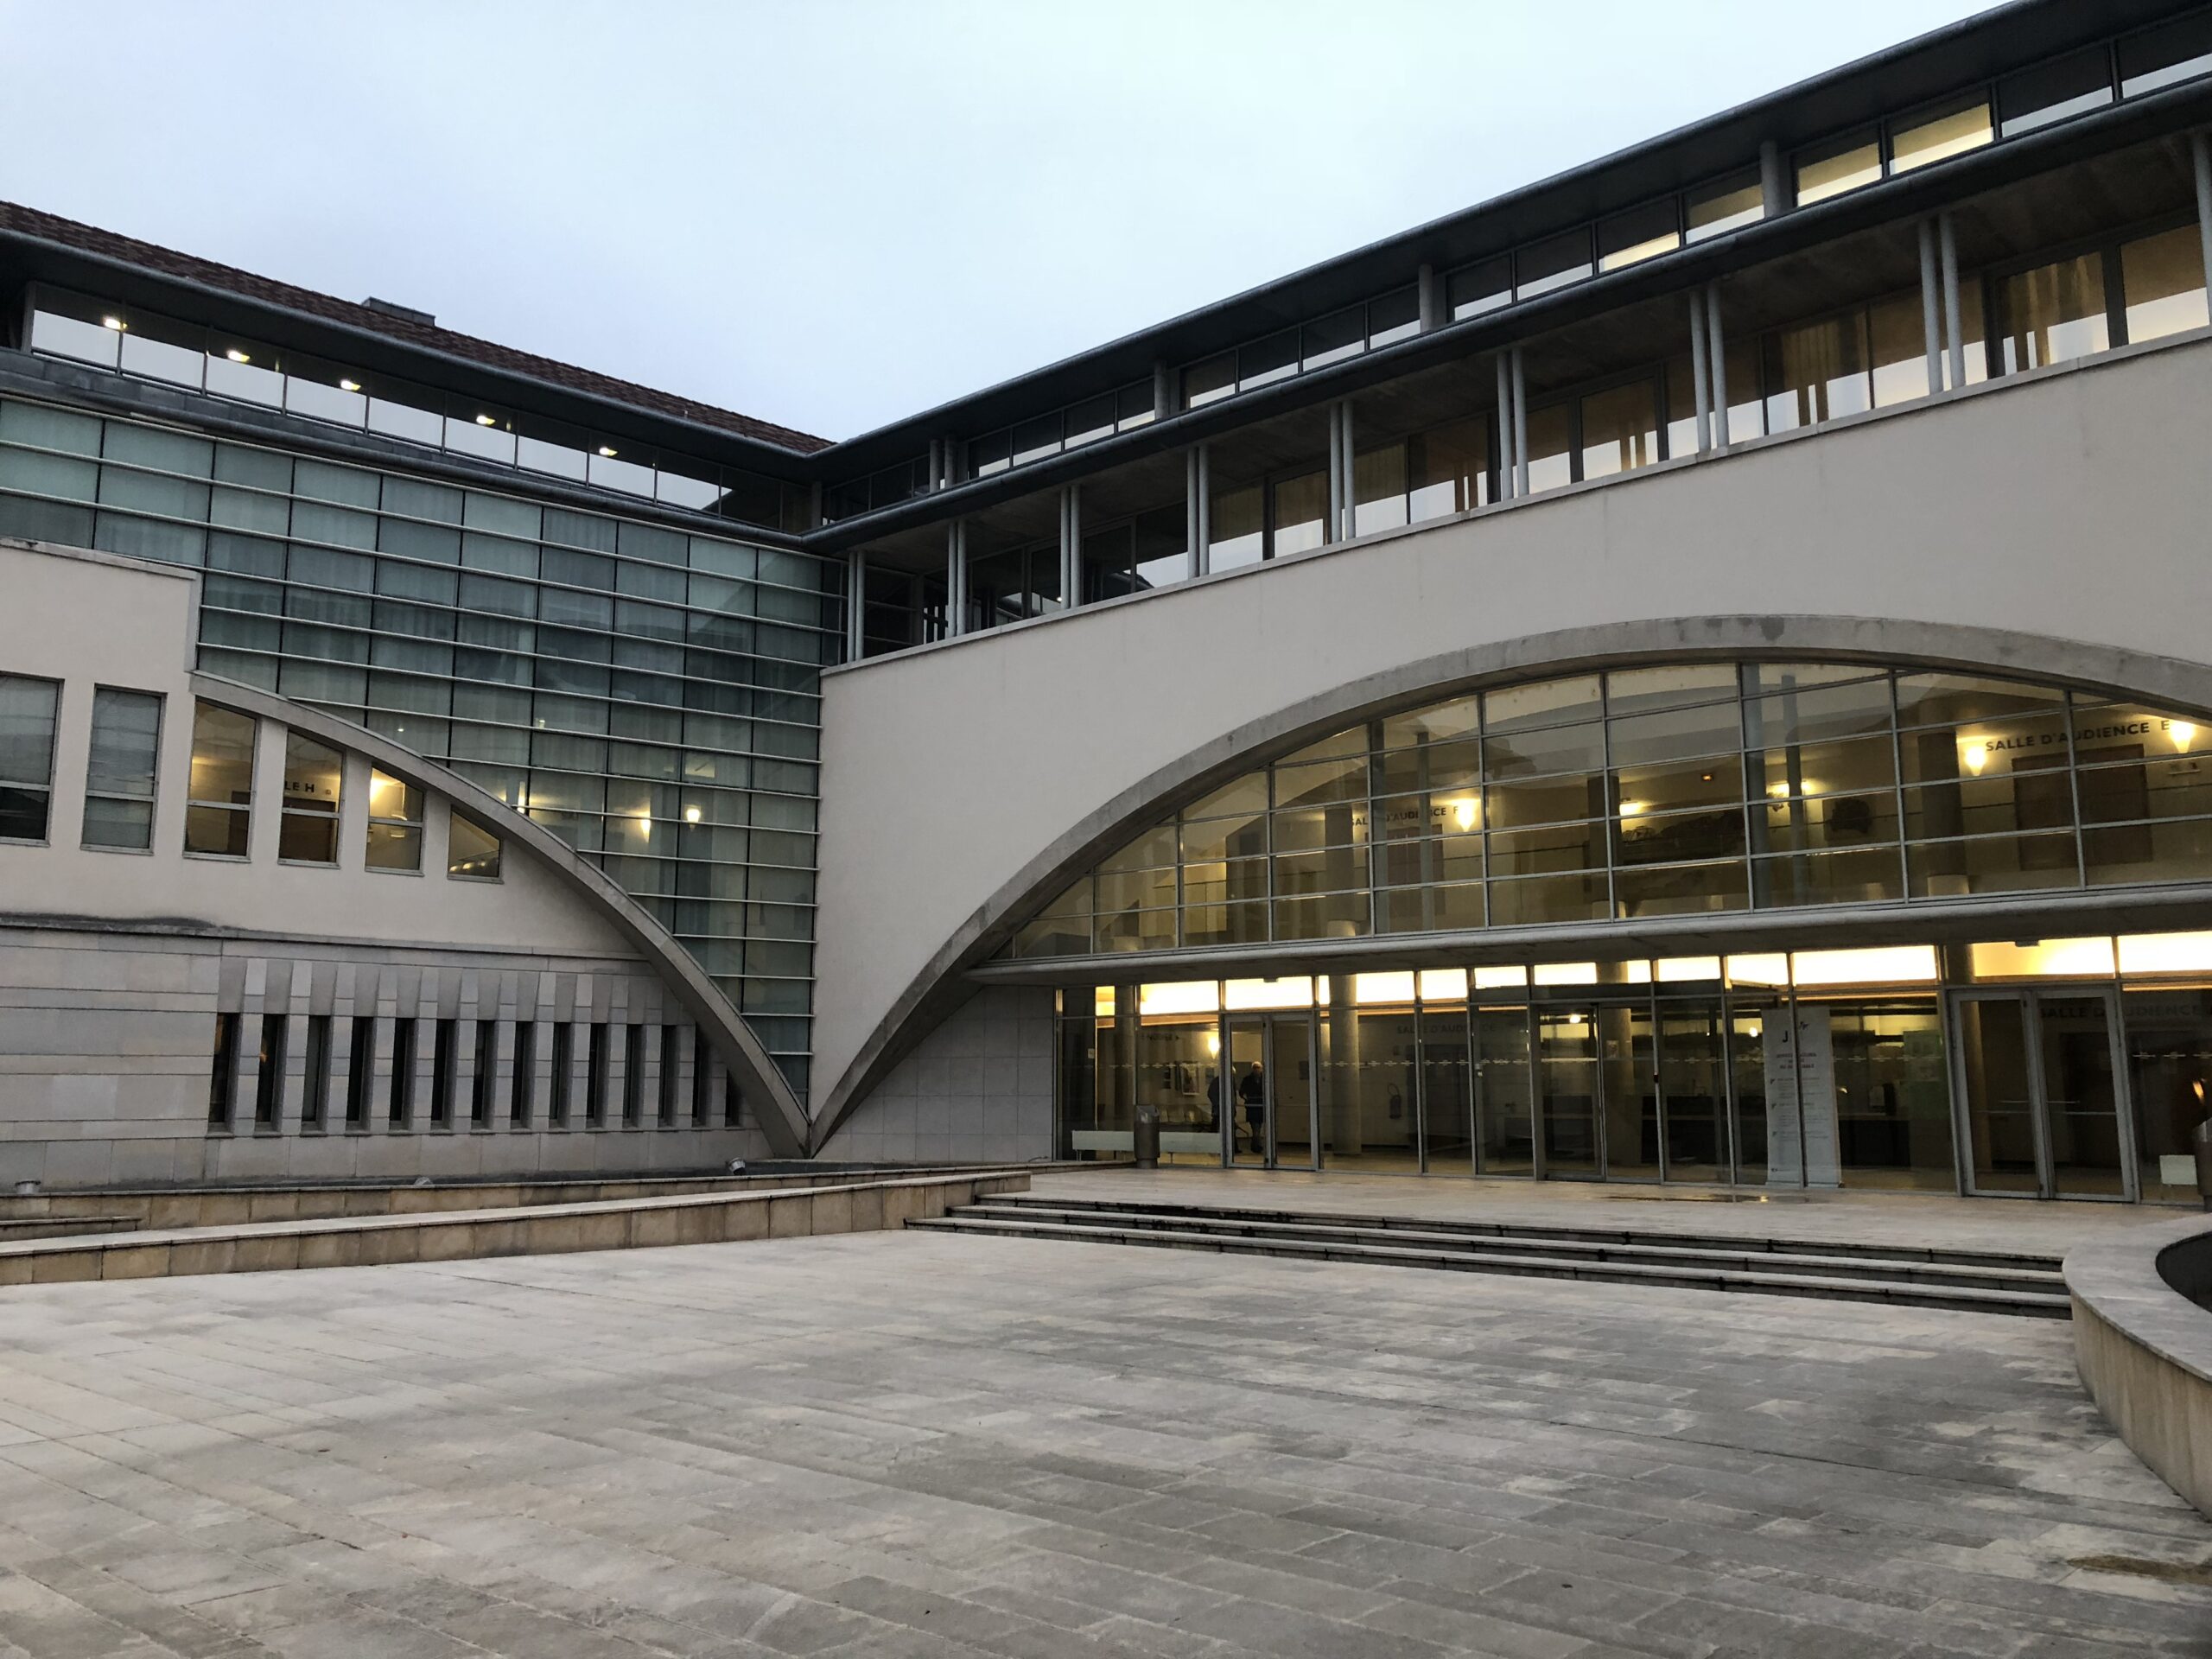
{"x":2054,"y":525}
{"x":978,"y":1088}
{"x":113,"y":965}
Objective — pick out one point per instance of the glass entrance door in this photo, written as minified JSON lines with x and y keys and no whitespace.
{"x":1271,"y":1078}
{"x":1566,"y":1078}
{"x":2040,"y":1093}
{"x":1290,"y":1089}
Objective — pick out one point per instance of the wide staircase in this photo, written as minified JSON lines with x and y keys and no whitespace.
{"x":1975,"y":1281}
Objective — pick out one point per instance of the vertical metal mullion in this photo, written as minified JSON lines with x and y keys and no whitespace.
{"x":1375,"y":889}
{"x":1897,"y":784}
{"x":2130,"y":1171}
{"x":1471,"y":1097}
{"x":1539,"y":1165}
{"x":2074,"y":797}
{"x":1421,"y":1081}
{"x":1611,"y":793}
{"x":2038,"y":1094}
{"x":1797,"y":1087}
{"x":1659,"y":1073}
{"x":1733,"y":1141}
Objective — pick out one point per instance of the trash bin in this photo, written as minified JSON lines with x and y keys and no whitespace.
{"x":2204,"y":1138}
{"x":1146,"y":1138}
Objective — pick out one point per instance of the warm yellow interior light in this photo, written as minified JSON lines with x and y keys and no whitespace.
{"x":237,"y":356}
{"x":2185,"y":733}
{"x":116,"y":323}
{"x":690,"y":815}
{"x":1975,"y":756}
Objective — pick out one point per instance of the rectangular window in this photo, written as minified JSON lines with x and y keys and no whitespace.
{"x":633,"y":1076}
{"x":119,"y":779}
{"x":1620,"y":429}
{"x":314,"y":777}
{"x":1817,"y":372}
{"x":1630,"y":238}
{"x":472,"y":852}
{"x":522,"y":1087}
{"x":1838,"y":169}
{"x":2161,"y":56}
{"x":667,"y":1069}
{"x":1937,"y":135}
{"x":2051,"y":91}
{"x":733,"y":1101}
{"x":400,"y":1103}
{"x":595,"y":1079}
{"x":360,"y":1071}
{"x":702,"y":1069}
{"x":1477,"y":288}
{"x":219,"y":804}
{"x":564,"y":1065}
{"x":2055,"y":312}
{"x":2162,"y":280}
{"x":269,"y":1079}
{"x":223,"y":1080}
{"x":27,"y":716}
{"x":1725,"y":205}
{"x":484,"y":1074}
{"x":394,"y":823}
{"x":314,"y":1094}
{"x":1554,"y":262}
{"x":443,"y":1059}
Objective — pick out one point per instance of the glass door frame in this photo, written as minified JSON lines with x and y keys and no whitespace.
{"x":2030,"y":999}
{"x":1264,"y":1021}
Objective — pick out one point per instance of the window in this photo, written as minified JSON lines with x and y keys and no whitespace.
{"x":1834,"y":169}
{"x":564,"y":1065}
{"x":394,"y":823}
{"x":633,"y":1075}
{"x":2162,"y":278}
{"x":223,"y":1079}
{"x":269,"y":1079}
{"x":27,"y":712}
{"x":443,"y":1060}
{"x":668,"y":1070}
{"x":314,"y":1098}
{"x":1477,"y":288}
{"x":119,"y":778}
{"x":2051,"y":91}
{"x":360,"y":1071}
{"x":2055,"y":312}
{"x":484,"y":1074}
{"x":472,"y":853}
{"x":733,"y":1101}
{"x":314,"y":775}
{"x":1725,"y":205}
{"x":1937,"y":135}
{"x":1630,"y":238}
{"x":2164,"y":54}
{"x":702,"y":1071}
{"x":400,"y":1102}
{"x":595,"y":1079}
{"x":218,"y":808}
{"x":522,"y":1084}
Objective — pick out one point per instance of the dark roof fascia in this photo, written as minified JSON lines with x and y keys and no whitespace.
{"x":102,"y":391}
{"x":40,"y":259}
{"x":1892,"y":81}
{"x":1944,"y":183}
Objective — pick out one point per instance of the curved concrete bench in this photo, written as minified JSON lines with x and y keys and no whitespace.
{"x":2144,"y":1347}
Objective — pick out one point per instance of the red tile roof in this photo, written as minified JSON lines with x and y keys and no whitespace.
{"x":88,"y":238}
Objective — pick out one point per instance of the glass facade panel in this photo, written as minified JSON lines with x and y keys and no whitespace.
{"x":220,"y":802}
{"x":2162,"y":278}
{"x":2055,"y":312}
{"x":314,"y":775}
{"x":28,"y":707}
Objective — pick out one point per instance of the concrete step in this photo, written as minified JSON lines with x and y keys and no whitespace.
{"x":64,"y":1226}
{"x":1618,"y":1270}
{"x":1775,"y":1256}
{"x":2026,"y":1260}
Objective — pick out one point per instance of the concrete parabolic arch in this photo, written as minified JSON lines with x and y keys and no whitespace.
{"x":1876,"y":641}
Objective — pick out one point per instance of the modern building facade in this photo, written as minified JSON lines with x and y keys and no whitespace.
{"x":1693,"y":671}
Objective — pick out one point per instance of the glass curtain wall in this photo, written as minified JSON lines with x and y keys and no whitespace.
{"x":2072,"y":1068}
{"x":1681,"y":790}
{"x":651,"y":697}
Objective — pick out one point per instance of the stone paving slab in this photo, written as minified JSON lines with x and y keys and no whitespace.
{"x":894,"y":1444}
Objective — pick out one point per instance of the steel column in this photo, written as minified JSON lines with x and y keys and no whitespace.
{"x":2200,"y":156}
{"x":1520,"y":426}
{"x":1716,"y":351}
{"x":1931,"y":325}
{"x":1953,"y":322}
{"x":1504,"y":428}
{"x":1700,"y":381}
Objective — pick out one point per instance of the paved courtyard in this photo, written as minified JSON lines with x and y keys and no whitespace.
{"x":902,"y":1443}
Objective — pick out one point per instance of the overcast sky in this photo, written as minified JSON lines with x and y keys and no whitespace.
{"x":836,"y":213}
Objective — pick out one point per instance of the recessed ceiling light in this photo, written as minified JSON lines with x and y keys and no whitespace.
{"x":237,"y":356}
{"x":117,"y":323}
{"x":608,"y":452}
{"x":349,"y":385}
{"x":487,"y":420}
